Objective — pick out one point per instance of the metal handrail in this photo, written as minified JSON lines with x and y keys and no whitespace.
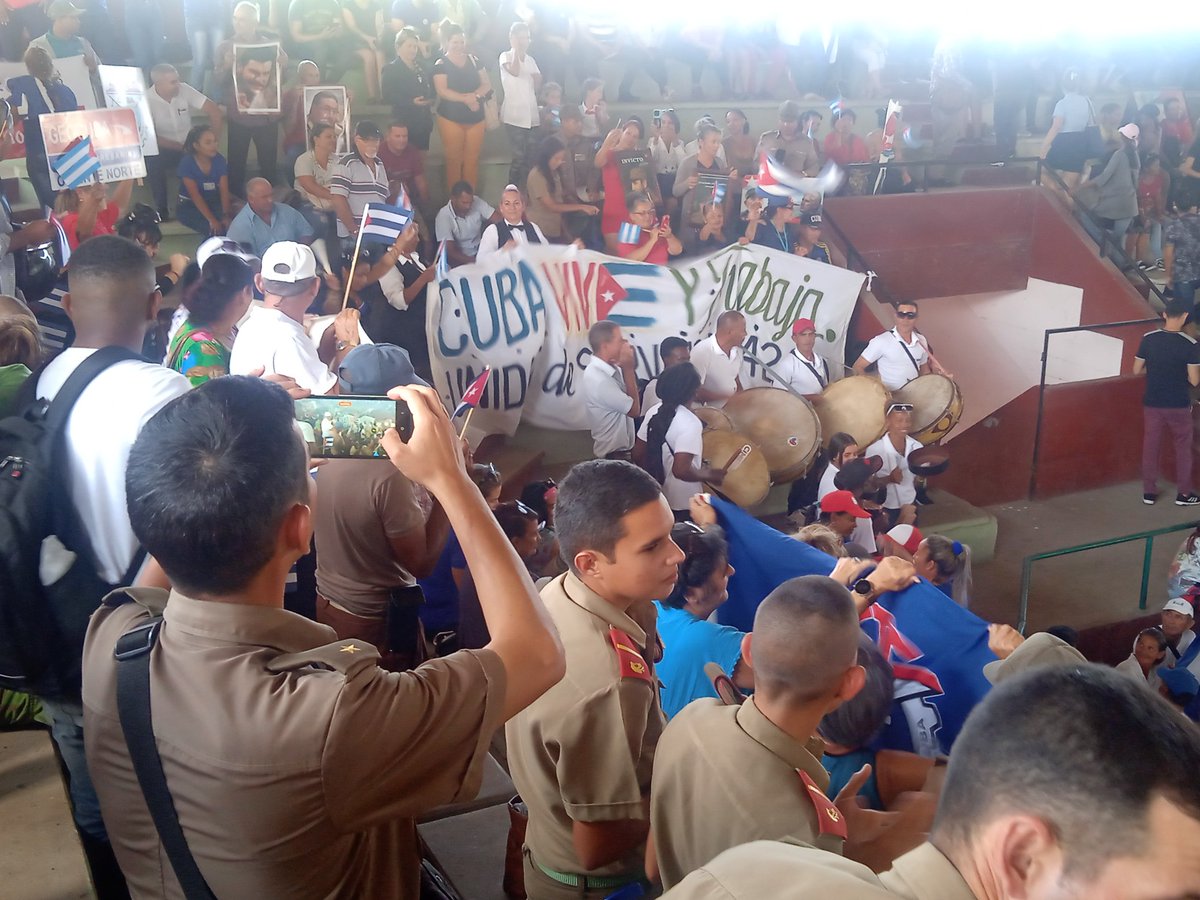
{"x":1037,"y":431}
{"x":925,"y":164}
{"x":1147,"y":536}
{"x":1107,"y":242}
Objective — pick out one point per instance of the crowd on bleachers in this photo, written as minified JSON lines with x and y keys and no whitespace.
{"x":333,"y":644}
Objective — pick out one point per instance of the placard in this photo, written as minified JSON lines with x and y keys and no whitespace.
{"x":125,"y":88}
{"x":328,"y":104}
{"x":256,"y":78}
{"x":114,"y":136}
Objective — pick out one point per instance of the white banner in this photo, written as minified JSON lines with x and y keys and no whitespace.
{"x":125,"y":88}
{"x":526,"y":313}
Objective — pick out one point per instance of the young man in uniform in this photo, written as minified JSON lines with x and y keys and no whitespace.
{"x":582,"y":755}
{"x":1170,"y":359}
{"x":1040,"y":802}
{"x":727,"y":775}
{"x":296,"y":766}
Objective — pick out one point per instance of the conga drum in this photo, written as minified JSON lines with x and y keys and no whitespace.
{"x":937,"y":406}
{"x":855,"y":405}
{"x":748,"y":480}
{"x":713,"y":418}
{"x":783,"y":426}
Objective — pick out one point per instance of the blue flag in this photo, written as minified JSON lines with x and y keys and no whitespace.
{"x":78,"y":164}
{"x":382,"y":224}
{"x":937,"y":648}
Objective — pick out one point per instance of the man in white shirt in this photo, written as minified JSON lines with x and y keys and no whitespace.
{"x":718,"y":359}
{"x":1178,"y":617}
{"x":512,"y":230}
{"x":804,"y":370}
{"x":171,"y":105}
{"x":610,"y":392}
{"x":112,"y":300}
{"x":460,"y":223}
{"x":900,"y":353}
{"x":521,"y":80}
{"x":893,"y":448}
{"x":274,"y":340}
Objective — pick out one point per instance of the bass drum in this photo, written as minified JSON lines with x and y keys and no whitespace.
{"x":713,"y":418}
{"x":37,"y":270}
{"x":937,"y":406}
{"x":748,"y":482}
{"x":855,"y":405}
{"x":782,"y":425}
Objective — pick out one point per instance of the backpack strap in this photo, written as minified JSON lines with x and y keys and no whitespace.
{"x":133,"y":651}
{"x":64,"y":401}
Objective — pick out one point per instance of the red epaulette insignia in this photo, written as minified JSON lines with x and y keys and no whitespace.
{"x":829,"y":818}
{"x":628,"y":658}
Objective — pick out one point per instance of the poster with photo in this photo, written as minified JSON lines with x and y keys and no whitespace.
{"x":125,"y":88}
{"x":331,"y":105}
{"x":256,"y":78}
{"x":637,"y":174}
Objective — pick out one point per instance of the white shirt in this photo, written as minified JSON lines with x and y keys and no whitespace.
{"x":827,"y":486}
{"x":1131,"y":667}
{"x":864,"y":529}
{"x":100,"y":433}
{"x":718,"y":371}
{"x":173,"y":118}
{"x":520,"y":107}
{"x":650,"y":394}
{"x":666,"y":159}
{"x":800,"y":375}
{"x":895,"y":367}
{"x":280,"y":345}
{"x":905,"y":492}
{"x":489,"y":241}
{"x":607,"y":408}
{"x":1185,"y":641}
{"x":685,"y":434}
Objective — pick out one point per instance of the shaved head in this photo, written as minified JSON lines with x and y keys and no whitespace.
{"x":729,"y":319}
{"x":111,"y":286}
{"x":805,"y":638}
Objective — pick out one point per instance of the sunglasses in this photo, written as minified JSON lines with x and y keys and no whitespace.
{"x":900,"y":407}
{"x":906,"y":315}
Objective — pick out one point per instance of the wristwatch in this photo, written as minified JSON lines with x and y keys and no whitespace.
{"x":863,"y":587}
{"x":342,"y":345}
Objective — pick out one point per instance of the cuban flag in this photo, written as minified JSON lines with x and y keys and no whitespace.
{"x":78,"y":164}
{"x":937,"y":649}
{"x":629,"y":233}
{"x":442,"y":270}
{"x":774,"y":179}
{"x":382,"y":224}
{"x":473,"y":394}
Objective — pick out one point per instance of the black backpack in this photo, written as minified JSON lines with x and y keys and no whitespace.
{"x":42,"y":626}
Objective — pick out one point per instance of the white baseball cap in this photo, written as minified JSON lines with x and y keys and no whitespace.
{"x":287,"y":267}
{"x":1179,"y":605}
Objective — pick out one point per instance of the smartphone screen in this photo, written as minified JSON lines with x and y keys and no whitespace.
{"x":348,"y":427}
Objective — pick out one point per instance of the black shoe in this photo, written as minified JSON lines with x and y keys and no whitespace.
{"x":923,"y":498}
{"x":1149,"y":499}
{"x":1187,"y":499}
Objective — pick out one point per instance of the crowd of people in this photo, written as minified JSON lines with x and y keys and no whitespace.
{"x":336,"y":645}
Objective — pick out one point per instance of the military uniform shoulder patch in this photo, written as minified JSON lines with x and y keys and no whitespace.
{"x":631,"y":663}
{"x":829,"y":818}
{"x":340,"y":656}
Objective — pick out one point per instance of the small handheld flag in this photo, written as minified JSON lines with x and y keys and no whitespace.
{"x":77,"y":164}
{"x":629,"y":233}
{"x":442,"y":269}
{"x":473,"y":394}
{"x":382,"y":224}
{"x":718,"y":194}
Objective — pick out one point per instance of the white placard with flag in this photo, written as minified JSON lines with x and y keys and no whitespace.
{"x":125,"y":88}
{"x":526,"y":313}
{"x":103,"y":143}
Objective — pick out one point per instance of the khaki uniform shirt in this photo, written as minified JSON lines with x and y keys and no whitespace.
{"x":784,"y":871}
{"x":583,"y":751}
{"x":798,"y":154}
{"x":296,"y":765}
{"x":727,"y":775}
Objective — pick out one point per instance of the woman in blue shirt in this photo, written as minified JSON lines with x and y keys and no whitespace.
{"x":205,"y":205}
{"x":689,"y":640}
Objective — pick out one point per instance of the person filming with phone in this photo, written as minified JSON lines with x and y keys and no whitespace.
{"x":274,"y":339}
{"x":293,"y":764}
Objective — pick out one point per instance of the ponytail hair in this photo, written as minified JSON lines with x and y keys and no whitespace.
{"x":223,"y":277}
{"x":953,"y":562}
{"x":676,"y":387}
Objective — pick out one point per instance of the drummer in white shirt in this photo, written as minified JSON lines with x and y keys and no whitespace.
{"x":893,"y":448}
{"x":900,"y":354}
{"x":718,"y":360}
{"x":803,"y":369}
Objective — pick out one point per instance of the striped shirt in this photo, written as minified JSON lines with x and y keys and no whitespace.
{"x":360,"y":183}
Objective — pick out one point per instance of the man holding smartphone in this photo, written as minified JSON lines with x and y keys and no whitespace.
{"x":296,"y":766}
{"x":274,"y":339}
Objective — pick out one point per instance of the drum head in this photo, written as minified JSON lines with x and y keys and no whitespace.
{"x":937,"y":406}
{"x":713,"y":418}
{"x":782,"y":425}
{"x":857,"y":406}
{"x":749,"y":481}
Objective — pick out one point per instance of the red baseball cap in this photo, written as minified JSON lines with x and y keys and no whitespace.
{"x":843,"y":502}
{"x":802,"y":325}
{"x":907,"y":536}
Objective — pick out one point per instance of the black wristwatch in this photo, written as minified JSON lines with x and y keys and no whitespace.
{"x":863,"y":587}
